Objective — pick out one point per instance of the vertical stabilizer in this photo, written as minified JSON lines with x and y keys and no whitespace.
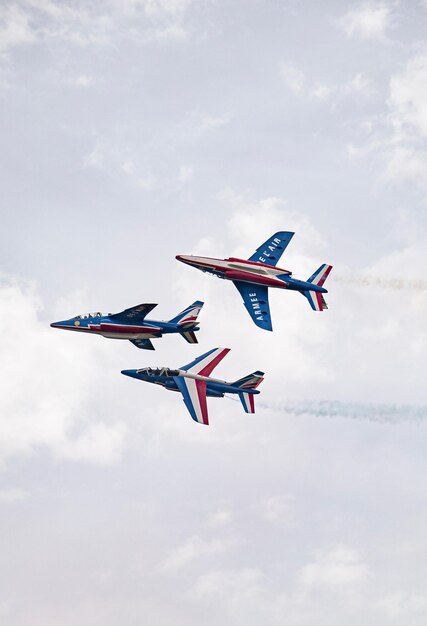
{"x":188,"y":317}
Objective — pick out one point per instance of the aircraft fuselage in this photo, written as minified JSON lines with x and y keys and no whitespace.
{"x":165,"y":377}
{"x":117,"y":330}
{"x":249,"y":272}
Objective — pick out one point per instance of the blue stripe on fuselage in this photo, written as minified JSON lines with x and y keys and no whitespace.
{"x":301,"y":285}
{"x":215,"y":388}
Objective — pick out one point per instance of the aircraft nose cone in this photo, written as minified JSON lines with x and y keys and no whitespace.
{"x":63,"y":324}
{"x":58,"y":324}
{"x":131,"y":373}
{"x":184,"y":258}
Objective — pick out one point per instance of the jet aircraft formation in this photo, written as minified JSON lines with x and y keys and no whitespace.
{"x":252,"y":277}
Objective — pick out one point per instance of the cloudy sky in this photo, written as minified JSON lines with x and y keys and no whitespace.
{"x":135,"y":130}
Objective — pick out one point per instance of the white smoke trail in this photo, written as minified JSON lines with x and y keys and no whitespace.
{"x":383,"y":413}
{"x":369,"y":280}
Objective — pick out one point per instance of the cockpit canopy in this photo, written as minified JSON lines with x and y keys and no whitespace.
{"x":158,"y":371}
{"x":89,"y":315}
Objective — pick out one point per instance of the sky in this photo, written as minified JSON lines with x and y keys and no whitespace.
{"x":135,"y":130}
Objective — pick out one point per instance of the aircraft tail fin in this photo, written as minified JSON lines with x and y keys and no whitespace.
{"x":316,"y":300}
{"x":320,"y":275}
{"x":188,"y":317}
{"x":251,"y":381}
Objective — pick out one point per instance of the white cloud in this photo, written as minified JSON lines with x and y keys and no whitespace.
{"x":210,"y":122}
{"x":405,"y":152}
{"x":96,"y":157}
{"x":82,"y":80}
{"x":408,"y":97}
{"x":359,"y":85}
{"x":405,"y":164}
{"x":293,"y":77}
{"x":336,"y":567}
{"x":185,"y":173}
{"x":194,"y":548}
{"x":40,"y":21}
{"x":13,"y":495}
{"x":128,"y":167}
{"x":243,"y":224}
{"x":169,"y":7}
{"x":278,"y":509}
{"x":146,"y":181}
{"x":236,"y":585}
{"x":15,"y":27}
{"x":369,"y":20}
{"x":403,"y":604}
{"x":322,"y":92}
{"x":221,"y":516}
{"x":44,"y":386}
{"x":166,"y":17}
{"x":398,"y":136}
{"x":172,"y":32}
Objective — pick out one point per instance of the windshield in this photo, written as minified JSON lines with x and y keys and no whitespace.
{"x":88,"y":315}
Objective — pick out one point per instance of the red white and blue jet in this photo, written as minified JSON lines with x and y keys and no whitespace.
{"x":194,"y":383}
{"x":254,"y":276}
{"x":132,"y":324}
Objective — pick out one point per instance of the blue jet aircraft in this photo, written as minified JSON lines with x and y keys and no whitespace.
{"x":254,"y":276}
{"x":131,"y":324}
{"x":193,"y":382}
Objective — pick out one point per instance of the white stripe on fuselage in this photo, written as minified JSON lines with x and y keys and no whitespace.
{"x":221,"y":264}
{"x":127,"y":335}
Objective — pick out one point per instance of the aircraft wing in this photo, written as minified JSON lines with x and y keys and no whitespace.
{"x":134,"y":314}
{"x":271,"y":250}
{"x":194,"y":395}
{"x":255,"y":299}
{"x":204,"y":364}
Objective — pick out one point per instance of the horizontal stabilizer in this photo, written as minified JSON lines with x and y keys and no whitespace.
{"x":144,"y":344}
{"x":134,"y":314}
{"x":316,"y":300}
{"x":248,"y":401}
{"x":190,"y":336}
